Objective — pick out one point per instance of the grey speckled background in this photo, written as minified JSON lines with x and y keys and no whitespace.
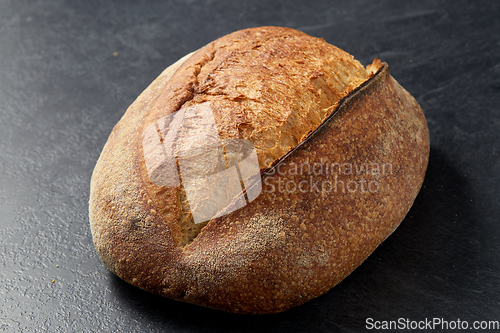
{"x":62,"y":90}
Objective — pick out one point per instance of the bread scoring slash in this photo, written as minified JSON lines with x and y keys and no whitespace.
{"x":256,"y":173}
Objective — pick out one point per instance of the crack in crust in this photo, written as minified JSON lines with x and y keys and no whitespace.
{"x":269,"y":87}
{"x":189,"y":229}
{"x":272,"y":87}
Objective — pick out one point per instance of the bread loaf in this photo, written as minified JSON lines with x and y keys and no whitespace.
{"x":257,"y":172}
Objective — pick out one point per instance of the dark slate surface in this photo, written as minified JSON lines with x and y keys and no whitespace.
{"x":62,"y":90}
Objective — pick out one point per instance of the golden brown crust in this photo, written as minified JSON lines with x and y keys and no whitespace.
{"x":269,"y":85}
{"x":287,"y":246}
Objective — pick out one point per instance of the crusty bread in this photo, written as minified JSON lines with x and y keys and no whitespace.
{"x":342,"y":152}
